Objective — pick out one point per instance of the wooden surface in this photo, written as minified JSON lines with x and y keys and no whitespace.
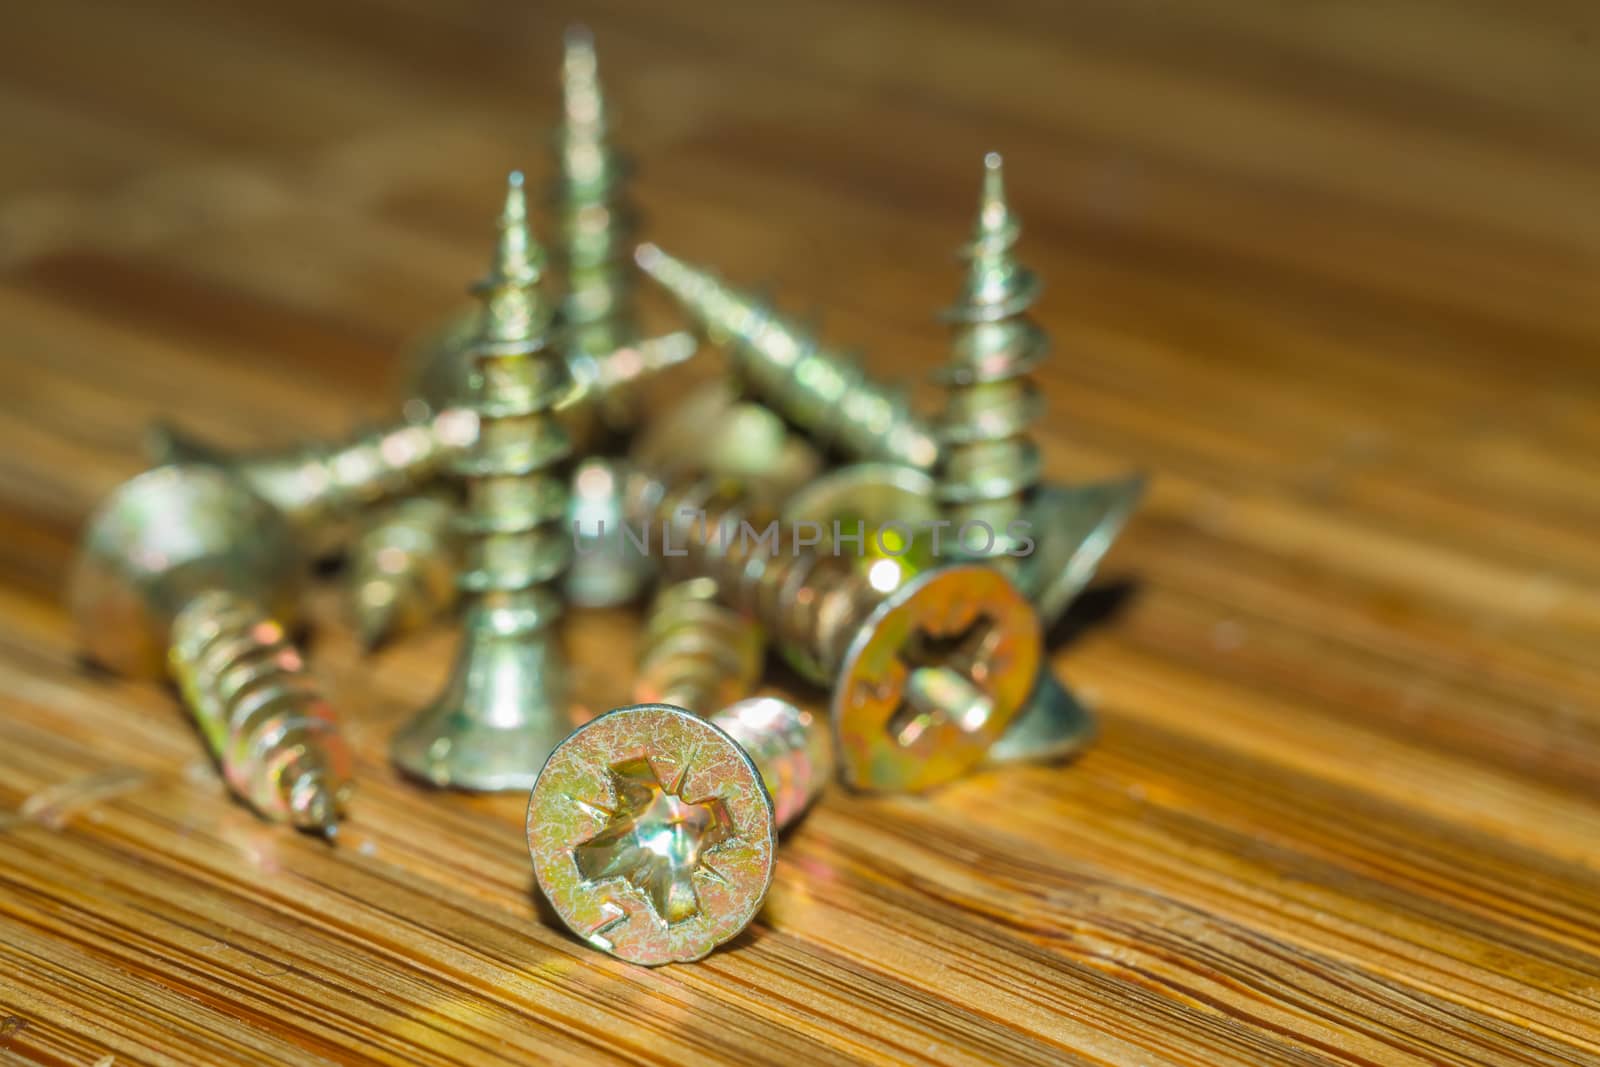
{"x":1328,"y":270}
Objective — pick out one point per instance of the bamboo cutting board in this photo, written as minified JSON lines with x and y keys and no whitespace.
{"x":1328,"y":271}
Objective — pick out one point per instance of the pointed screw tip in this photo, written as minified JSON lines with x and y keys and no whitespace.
{"x":313,"y":808}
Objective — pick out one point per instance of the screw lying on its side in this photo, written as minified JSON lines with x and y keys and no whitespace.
{"x":185,"y":565}
{"x":824,"y":393}
{"x":504,"y":706}
{"x":318,"y":486}
{"x":652,"y":831}
{"x":403,"y":568}
{"x":872,"y":497}
{"x":926,"y":673}
{"x":695,"y":653}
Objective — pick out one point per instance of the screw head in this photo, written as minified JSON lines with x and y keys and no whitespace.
{"x":159,"y":539}
{"x":933,"y":678}
{"x":652,"y":835}
{"x":1075,"y":526}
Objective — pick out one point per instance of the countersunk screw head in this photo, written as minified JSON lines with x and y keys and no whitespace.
{"x":163,"y":537}
{"x":933,"y":678}
{"x":652,"y":835}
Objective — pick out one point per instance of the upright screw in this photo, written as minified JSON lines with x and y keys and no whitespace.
{"x":988,"y":461}
{"x":319,"y":486}
{"x":595,"y":219}
{"x":653,"y":832}
{"x":503,"y":708}
{"x":926,"y":673}
{"x":183,"y":570}
{"x":403,"y":567}
{"x":824,"y":393}
{"x":1049,"y":537}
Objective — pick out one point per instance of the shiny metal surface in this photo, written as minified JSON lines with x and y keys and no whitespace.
{"x":319,"y":487}
{"x":826,"y":394}
{"x":183,"y":570}
{"x":652,"y":834}
{"x":842,"y":626}
{"x":504,"y":706}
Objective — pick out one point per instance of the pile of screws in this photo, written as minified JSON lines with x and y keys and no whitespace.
{"x":520,"y":481}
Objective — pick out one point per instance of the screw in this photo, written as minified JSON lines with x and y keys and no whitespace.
{"x":653,"y":832}
{"x":1052,"y":725}
{"x":596,"y":220}
{"x":503,"y":708}
{"x":403,"y":568}
{"x":824,"y":393}
{"x":319,"y":486}
{"x":712,"y":433}
{"x":989,"y":462}
{"x":183,"y":569}
{"x":882,"y":641}
{"x":989,"y":470}
{"x":594,"y":216}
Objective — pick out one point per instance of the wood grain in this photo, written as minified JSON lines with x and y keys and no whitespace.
{"x":1329,"y":271}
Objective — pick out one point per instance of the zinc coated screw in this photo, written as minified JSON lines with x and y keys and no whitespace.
{"x":926,"y":672}
{"x":318,"y":486}
{"x":504,"y":706}
{"x":824,"y":393}
{"x":989,"y":462}
{"x":652,"y":831}
{"x":989,"y":469}
{"x":184,"y":570}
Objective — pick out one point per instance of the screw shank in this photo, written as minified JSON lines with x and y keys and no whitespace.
{"x":787,"y":745}
{"x":272,"y":733}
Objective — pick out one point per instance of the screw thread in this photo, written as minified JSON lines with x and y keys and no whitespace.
{"x":810,"y":604}
{"x":317,"y":485}
{"x":262,"y":717}
{"x":989,"y":462}
{"x":595,"y":219}
{"x":403,"y":568}
{"x":825,"y":394}
{"x":788,"y":746}
{"x":515,"y":498}
{"x":695,"y":653}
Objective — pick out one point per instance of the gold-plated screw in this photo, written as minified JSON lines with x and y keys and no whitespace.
{"x":868,"y":499}
{"x":611,"y":365}
{"x":989,"y":463}
{"x":504,"y":706}
{"x":824,"y":393}
{"x":319,"y":486}
{"x":594,"y":218}
{"x":403,"y":567}
{"x":653,"y":832}
{"x":184,"y":570}
{"x":926,"y":673}
{"x":1049,"y":537}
